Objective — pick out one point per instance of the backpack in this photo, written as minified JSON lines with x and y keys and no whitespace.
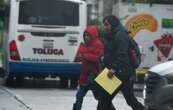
{"x":134,"y":53}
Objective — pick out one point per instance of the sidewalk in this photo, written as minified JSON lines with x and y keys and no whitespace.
{"x":8,"y":101}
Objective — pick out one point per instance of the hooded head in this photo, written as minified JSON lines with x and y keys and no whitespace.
{"x":90,"y":33}
{"x":111,"y":20}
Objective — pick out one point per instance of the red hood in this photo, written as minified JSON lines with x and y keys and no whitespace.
{"x":92,"y":30}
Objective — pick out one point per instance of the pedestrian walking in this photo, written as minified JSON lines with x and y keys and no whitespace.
{"x":117,"y":60}
{"x":90,"y":52}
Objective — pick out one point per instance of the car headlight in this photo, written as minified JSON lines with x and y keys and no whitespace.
{"x":152,"y":81}
{"x":155,"y":86}
{"x":169,"y":78}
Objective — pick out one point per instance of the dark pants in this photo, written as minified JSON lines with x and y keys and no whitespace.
{"x":128,"y":93}
{"x":79,"y":97}
{"x":82,"y":92}
{"x":105,"y":100}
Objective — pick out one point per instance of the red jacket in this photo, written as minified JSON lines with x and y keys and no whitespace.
{"x":91,"y":54}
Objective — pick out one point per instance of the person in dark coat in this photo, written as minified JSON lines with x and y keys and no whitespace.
{"x":90,"y":52}
{"x":116,"y":59}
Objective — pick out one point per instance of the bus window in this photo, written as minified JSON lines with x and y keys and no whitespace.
{"x":58,"y":14}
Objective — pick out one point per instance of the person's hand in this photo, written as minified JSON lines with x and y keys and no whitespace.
{"x":79,"y":57}
{"x":111,"y":73}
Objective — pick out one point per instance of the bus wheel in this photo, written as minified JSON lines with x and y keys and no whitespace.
{"x":63,"y":82}
{"x":19,"y":80}
{"x":74,"y":82}
{"x":9,"y":81}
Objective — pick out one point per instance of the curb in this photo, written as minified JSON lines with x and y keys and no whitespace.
{"x":17,"y":98}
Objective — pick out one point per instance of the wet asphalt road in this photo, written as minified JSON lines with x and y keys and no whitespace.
{"x":47,"y":95}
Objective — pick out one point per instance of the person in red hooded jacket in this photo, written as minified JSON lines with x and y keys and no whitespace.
{"x":89,"y":52}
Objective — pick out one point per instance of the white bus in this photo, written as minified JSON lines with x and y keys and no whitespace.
{"x":43,"y":39}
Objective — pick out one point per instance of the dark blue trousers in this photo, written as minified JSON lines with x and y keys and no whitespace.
{"x":82,"y":91}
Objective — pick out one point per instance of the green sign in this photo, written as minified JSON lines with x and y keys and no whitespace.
{"x":167,"y":23}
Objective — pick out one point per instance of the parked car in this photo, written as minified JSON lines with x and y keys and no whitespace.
{"x":158,"y":90}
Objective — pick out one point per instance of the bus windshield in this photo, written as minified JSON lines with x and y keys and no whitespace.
{"x":49,"y":12}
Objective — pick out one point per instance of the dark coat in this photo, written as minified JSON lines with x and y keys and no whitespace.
{"x":116,"y":52}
